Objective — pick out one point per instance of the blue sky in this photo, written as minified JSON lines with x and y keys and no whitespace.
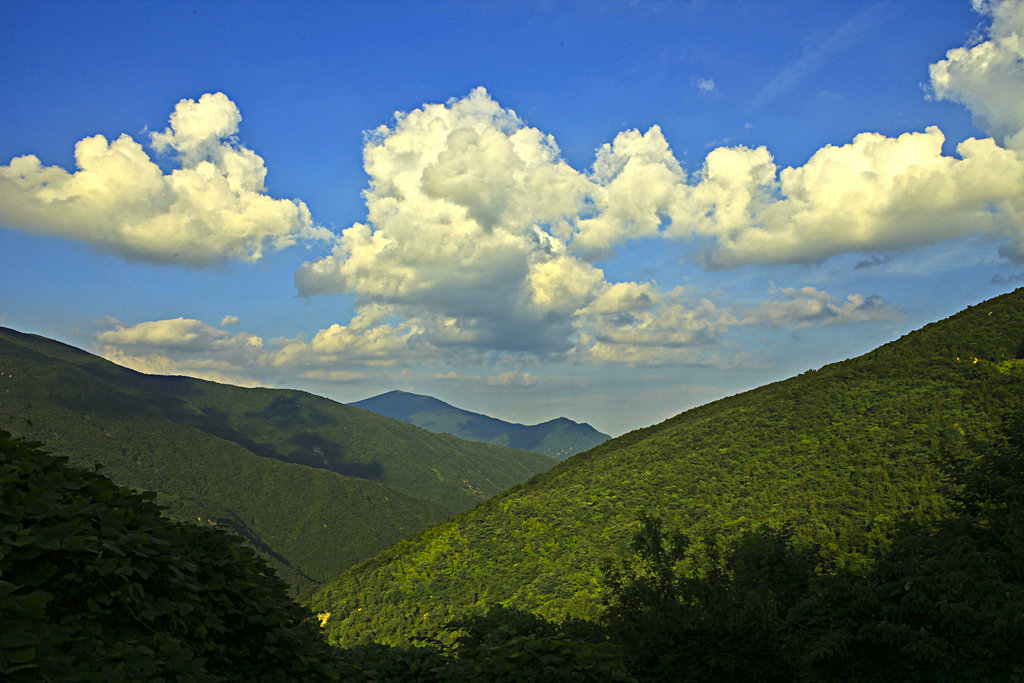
{"x":611,"y":211}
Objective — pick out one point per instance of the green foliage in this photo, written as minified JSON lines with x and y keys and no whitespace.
{"x":374,"y":662}
{"x":500,"y":646}
{"x":511,"y":646}
{"x":312,"y":485}
{"x":944,"y":603}
{"x":96,"y":585}
{"x":688,"y":610}
{"x":837,"y":455}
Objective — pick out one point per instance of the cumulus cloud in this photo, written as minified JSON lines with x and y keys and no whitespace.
{"x":176,"y":333}
{"x":468,"y":210}
{"x":336,"y":354}
{"x":636,"y":324}
{"x":478,"y":235}
{"x":454,"y":376}
{"x":512,"y":378}
{"x":804,"y":306}
{"x":213,"y":207}
{"x":334,"y":376}
{"x":183,"y":346}
{"x":988,"y":78}
{"x":704,"y":84}
{"x":876,"y":193}
{"x":372,"y":337}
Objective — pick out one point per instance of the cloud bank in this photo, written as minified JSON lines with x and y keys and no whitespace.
{"x":478,"y":234}
{"x":210,"y":209}
{"x":480,"y":240}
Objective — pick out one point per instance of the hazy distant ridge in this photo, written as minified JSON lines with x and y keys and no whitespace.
{"x":559,"y":438}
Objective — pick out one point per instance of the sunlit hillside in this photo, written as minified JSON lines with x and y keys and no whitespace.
{"x":839,"y":454}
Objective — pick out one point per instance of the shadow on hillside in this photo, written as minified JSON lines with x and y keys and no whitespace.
{"x":304,"y":448}
{"x":319,"y":452}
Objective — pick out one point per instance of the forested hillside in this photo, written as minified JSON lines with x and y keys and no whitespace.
{"x":97,"y":585}
{"x":313,"y":485}
{"x":838,"y":455}
{"x":560,"y":438}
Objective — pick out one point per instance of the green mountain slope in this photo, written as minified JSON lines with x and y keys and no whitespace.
{"x":838,"y":454}
{"x":560,"y":438}
{"x":315,"y":486}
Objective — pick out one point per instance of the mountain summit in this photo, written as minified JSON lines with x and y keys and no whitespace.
{"x":559,"y":438}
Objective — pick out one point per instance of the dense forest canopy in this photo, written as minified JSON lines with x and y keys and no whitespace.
{"x":839,"y":455}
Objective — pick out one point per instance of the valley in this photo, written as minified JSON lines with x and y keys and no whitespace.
{"x":313,"y":485}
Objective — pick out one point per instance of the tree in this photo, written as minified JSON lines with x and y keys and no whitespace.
{"x":510,"y":645}
{"x":946,"y":602}
{"x":689,"y":610}
{"x":96,"y":585}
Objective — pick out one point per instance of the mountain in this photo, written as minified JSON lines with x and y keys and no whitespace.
{"x":839,"y":455}
{"x":559,"y":438}
{"x":313,"y":485}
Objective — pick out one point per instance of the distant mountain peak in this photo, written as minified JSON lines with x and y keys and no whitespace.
{"x":559,"y":438}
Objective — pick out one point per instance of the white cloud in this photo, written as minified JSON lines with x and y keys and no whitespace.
{"x":478,"y":234}
{"x":478,"y":230}
{"x":454,"y":376}
{"x":371,"y":338}
{"x":512,"y":378}
{"x":635,"y":180}
{"x":632,"y":323}
{"x":211,"y":209}
{"x":467,"y":212}
{"x":334,"y":376}
{"x":876,"y":193}
{"x":805,"y":306}
{"x":183,"y":346}
{"x":176,"y":333}
{"x":480,"y":237}
{"x":988,"y":78}
{"x":160,"y":364}
{"x":704,"y":84}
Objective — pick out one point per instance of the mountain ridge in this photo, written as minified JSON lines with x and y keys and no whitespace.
{"x":312,"y":484}
{"x":839,"y":455}
{"x":559,"y":437}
